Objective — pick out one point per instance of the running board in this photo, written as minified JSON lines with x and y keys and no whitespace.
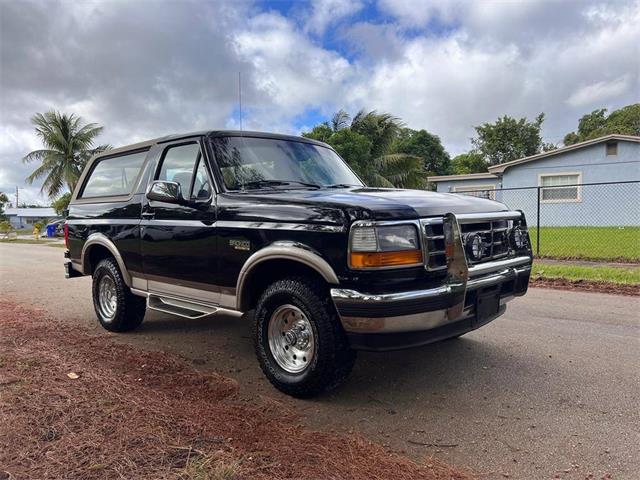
{"x":182,"y":308}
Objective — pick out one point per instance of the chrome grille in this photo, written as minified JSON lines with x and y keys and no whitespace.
{"x":433,"y":236}
{"x":494,"y":230}
{"x":495,"y":237}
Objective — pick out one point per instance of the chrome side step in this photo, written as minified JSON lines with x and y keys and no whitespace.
{"x":182,"y":306}
{"x":179,"y":307}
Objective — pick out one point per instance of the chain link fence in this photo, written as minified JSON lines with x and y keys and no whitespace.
{"x":587,"y":221}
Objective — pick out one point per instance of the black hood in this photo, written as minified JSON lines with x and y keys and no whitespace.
{"x":358,"y":203}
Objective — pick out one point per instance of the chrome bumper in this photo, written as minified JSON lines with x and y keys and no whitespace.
{"x":428,"y":309}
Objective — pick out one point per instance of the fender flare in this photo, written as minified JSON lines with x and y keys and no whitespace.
{"x":283,"y":250}
{"x":102,"y":240}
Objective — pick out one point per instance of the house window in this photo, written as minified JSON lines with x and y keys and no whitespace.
{"x":554,"y":189}
{"x":612,"y":148}
{"x":481,"y":191}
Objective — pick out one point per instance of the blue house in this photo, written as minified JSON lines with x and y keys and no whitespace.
{"x":586,"y":184}
{"x":26,"y":217}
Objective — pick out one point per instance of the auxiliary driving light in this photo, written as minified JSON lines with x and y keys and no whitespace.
{"x":519,"y":238}
{"x":475,"y":246}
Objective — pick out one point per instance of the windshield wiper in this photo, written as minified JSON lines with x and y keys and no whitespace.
{"x":276,"y":183}
{"x":341,"y":185}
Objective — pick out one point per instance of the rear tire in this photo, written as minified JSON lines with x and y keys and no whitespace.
{"x":299,"y":340}
{"x":117,"y":309}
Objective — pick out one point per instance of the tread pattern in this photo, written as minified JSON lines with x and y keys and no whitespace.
{"x":334,"y":358}
{"x":130,"y":309}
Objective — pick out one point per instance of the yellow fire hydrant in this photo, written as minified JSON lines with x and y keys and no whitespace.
{"x":36,"y":232}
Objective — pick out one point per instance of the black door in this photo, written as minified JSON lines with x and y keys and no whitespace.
{"x":179,"y":241}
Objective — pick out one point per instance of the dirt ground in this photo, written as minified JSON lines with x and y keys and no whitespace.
{"x":77,"y":406}
{"x":586,"y":286}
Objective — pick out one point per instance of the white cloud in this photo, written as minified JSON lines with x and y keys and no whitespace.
{"x":329,"y":12}
{"x":599,"y":92}
{"x":520,"y":59}
{"x":289,"y":70}
{"x":418,"y":13}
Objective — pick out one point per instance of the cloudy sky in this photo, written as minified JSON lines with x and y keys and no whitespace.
{"x":147,"y":68}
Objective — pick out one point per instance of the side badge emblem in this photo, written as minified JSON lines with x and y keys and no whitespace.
{"x":242,"y":245}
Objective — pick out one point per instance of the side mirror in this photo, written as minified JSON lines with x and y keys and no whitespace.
{"x":168,"y":192}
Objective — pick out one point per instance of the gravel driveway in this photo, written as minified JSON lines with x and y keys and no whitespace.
{"x":549,"y":390}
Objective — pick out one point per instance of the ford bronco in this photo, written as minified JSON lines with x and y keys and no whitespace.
{"x":234,"y":222}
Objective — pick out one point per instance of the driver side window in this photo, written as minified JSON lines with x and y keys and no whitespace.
{"x":184,"y":164}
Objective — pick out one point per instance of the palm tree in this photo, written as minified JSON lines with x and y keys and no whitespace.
{"x":340,"y":120}
{"x":68,"y":146}
{"x":387,"y":169}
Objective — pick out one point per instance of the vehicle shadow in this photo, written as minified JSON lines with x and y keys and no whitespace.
{"x":474,"y":362}
{"x":444,"y":369}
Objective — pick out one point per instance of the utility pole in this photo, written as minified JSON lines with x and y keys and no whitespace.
{"x":240,"y":98}
{"x":17,"y":197}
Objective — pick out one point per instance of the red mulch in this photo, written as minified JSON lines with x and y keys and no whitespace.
{"x":135,"y":414}
{"x":586,"y":286}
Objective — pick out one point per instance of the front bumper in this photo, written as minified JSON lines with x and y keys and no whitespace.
{"x":407,"y":319}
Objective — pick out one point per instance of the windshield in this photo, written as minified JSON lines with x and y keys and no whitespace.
{"x":249,"y":162}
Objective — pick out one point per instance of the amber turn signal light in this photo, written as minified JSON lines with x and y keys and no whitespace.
{"x":385,"y":259}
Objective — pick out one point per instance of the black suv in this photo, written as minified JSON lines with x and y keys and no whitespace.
{"x":232,"y":222}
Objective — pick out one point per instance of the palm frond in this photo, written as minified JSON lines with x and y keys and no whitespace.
{"x":402,"y":170}
{"x":37,"y":155}
{"x":340,"y":120}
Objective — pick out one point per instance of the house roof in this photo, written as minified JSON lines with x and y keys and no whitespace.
{"x":468,"y":176}
{"x":40,"y":212}
{"x":499,"y":169}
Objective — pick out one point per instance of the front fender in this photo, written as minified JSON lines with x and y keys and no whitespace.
{"x":283,"y":250}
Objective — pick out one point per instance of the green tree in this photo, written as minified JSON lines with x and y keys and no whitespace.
{"x":354,"y":147}
{"x":5,"y":226}
{"x":3,"y":199}
{"x":381,"y":128}
{"x":471,"y":162}
{"x":366,"y":143}
{"x":321,"y":132}
{"x":61,"y":204}
{"x":68,"y":146}
{"x":508,"y":139}
{"x":624,"y":121}
{"x":426,"y":146}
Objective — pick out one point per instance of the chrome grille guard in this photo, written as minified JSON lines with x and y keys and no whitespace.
{"x":460,"y":276}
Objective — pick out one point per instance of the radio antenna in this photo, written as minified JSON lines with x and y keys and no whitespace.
{"x":240,"y":97}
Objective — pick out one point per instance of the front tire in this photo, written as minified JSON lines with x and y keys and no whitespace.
{"x":117,"y":309}
{"x":299,"y":340}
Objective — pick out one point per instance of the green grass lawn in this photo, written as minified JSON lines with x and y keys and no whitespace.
{"x":589,"y":243}
{"x":595,"y":273}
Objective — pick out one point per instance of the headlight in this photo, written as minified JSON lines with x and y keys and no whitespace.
{"x":384,"y":246}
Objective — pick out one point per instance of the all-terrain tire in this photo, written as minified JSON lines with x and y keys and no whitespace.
{"x":333,"y":358}
{"x":126,"y":311}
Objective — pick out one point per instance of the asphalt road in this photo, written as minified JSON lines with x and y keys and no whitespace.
{"x":549,"y":390}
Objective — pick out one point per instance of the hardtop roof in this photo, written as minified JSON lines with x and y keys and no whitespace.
{"x":211,"y":134}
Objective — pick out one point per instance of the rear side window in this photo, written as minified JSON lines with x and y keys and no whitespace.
{"x":114,"y":176}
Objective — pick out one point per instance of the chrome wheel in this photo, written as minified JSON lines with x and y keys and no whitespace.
{"x":107,"y":298}
{"x":291,"y":339}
